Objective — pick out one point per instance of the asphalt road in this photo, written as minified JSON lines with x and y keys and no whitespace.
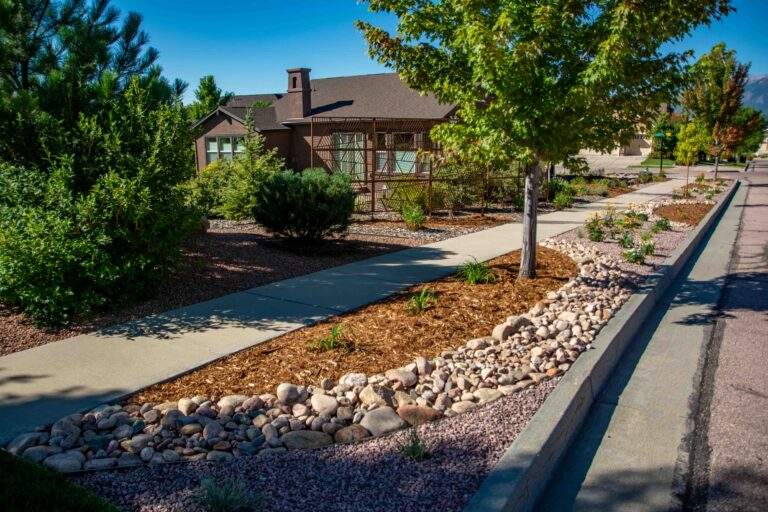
{"x":730,"y":472}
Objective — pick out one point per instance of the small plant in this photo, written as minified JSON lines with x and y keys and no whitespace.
{"x":422,"y":301}
{"x":662,"y":225}
{"x":626,"y":241}
{"x":644,"y":176}
{"x":647,"y":249}
{"x":333,"y":341}
{"x":228,"y":496}
{"x":476,"y":272}
{"x":595,"y":229}
{"x":709,"y":196}
{"x":647,"y":236}
{"x":700,"y":178}
{"x":563,"y":200}
{"x":415,"y":449}
{"x":634,"y":256}
{"x":599,"y":188}
{"x":413,"y":216}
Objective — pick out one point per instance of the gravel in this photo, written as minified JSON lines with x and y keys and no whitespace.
{"x":368,"y":476}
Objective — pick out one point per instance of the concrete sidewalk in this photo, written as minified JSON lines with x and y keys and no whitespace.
{"x":44,"y":383}
{"x":632,"y":452}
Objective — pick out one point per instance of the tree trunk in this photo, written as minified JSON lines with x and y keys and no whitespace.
{"x":687,"y":172}
{"x":717,"y":164}
{"x":528,"y":256}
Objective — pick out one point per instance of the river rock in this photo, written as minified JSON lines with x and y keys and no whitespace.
{"x":302,"y":439}
{"x":381,"y":421}
{"x":351,"y":434}
{"x":417,"y":415}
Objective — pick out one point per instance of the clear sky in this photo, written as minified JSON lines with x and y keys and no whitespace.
{"x":248,"y":44}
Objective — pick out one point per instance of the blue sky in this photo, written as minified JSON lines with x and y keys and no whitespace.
{"x":248,"y":44}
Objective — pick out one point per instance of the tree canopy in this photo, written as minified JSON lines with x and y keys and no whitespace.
{"x":713,"y":96}
{"x":208,"y":96}
{"x":538,"y":80}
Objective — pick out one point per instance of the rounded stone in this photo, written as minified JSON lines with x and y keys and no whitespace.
{"x":351,"y":434}
{"x":302,"y":439}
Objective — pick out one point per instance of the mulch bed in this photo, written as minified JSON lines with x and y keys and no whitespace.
{"x":690,"y":214}
{"x":383,"y":335}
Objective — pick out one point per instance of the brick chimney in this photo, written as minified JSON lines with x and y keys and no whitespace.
{"x":299,"y":93}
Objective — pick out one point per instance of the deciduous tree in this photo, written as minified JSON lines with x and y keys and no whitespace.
{"x":714,"y":96}
{"x":538,"y":80}
{"x":692,"y":139}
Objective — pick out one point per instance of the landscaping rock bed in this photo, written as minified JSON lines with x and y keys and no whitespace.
{"x":482,"y":395}
{"x":520,"y":352}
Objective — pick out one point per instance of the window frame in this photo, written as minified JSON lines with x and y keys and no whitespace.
{"x":220,"y":153}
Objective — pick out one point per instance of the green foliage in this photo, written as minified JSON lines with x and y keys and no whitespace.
{"x":208,"y":96}
{"x":334,"y":340}
{"x":415,"y":449}
{"x":408,"y":193}
{"x":595,"y":229}
{"x":713,"y":97}
{"x":244,"y":176}
{"x":413,"y":216}
{"x":227,"y":496}
{"x":664,"y":146}
{"x":563,"y":200}
{"x":309,"y":206}
{"x":561,"y":186}
{"x":102,"y":228}
{"x":692,"y":140}
{"x":626,"y":241}
{"x":750,"y":125}
{"x":662,"y":225}
{"x":647,"y":249}
{"x":476,"y":272}
{"x":422,"y":301}
{"x":25,"y":487}
{"x":634,"y":256}
{"x":530,"y":78}
{"x":644,"y":176}
{"x":228,"y":188}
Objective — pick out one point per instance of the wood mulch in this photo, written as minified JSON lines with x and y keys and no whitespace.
{"x":690,"y":214}
{"x":382,"y":335}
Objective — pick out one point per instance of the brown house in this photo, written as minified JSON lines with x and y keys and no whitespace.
{"x":364,"y":125}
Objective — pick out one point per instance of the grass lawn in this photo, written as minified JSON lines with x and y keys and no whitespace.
{"x":654,"y":163}
{"x":25,"y":487}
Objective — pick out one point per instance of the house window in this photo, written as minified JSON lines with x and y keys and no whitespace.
{"x":348,"y":154}
{"x":226,"y":147}
{"x":211,"y":150}
{"x":396,"y":153}
{"x":239,"y":148}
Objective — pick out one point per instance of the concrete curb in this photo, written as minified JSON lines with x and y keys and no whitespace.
{"x":522,"y":473}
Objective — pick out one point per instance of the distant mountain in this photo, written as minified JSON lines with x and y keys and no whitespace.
{"x":756,"y":93}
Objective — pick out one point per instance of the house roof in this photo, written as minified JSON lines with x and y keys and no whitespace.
{"x":380,"y":95}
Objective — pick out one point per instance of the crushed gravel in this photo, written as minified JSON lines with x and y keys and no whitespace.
{"x":368,"y":476}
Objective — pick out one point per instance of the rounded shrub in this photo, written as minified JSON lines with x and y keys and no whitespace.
{"x":309,"y":206}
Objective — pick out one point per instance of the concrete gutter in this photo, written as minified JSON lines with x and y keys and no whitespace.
{"x":524,"y":470}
